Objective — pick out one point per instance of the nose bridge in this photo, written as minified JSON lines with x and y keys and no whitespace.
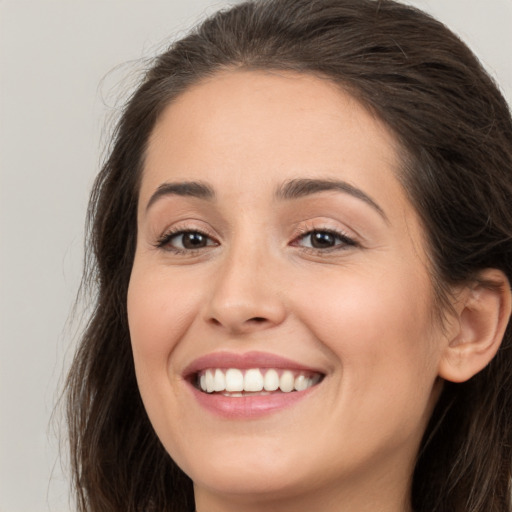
{"x":245,"y":294}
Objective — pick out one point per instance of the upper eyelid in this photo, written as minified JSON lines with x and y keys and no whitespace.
{"x":310,"y":229}
{"x":345,"y":238}
{"x":327,"y":225}
{"x":189,"y":225}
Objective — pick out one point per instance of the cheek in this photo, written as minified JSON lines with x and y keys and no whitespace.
{"x":379,"y":327}
{"x":160,"y":309}
{"x":384,"y":341}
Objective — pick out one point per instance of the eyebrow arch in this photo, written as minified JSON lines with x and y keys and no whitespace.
{"x":297,"y":188}
{"x":184,"y":188}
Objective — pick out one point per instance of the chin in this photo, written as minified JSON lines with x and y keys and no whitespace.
{"x":257,"y":470}
{"x":264,"y":481}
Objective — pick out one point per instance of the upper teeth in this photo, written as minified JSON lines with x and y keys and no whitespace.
{"x":233,"y":380}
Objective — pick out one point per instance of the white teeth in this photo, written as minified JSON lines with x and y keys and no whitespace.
{"x":253,"y":380}
{"x":235,"y":382}
{"x":210,"y":381}
{"x":271,"y":381}
{"x":219,"y":381}
{"x":287,"y":381}
{"x":301,"y":383}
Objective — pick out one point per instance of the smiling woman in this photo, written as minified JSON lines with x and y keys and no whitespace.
{"x":303,"y":243}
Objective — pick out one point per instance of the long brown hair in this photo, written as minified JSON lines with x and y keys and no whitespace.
{"x":455,"y":134}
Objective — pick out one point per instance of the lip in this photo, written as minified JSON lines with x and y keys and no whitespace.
{"x":249,"y":406}
{"x":245,"y":361}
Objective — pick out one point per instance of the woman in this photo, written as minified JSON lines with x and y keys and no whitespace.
{"x":302,"y":242}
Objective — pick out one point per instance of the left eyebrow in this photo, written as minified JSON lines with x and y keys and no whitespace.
{"x":297,"y":188}
{"x":183,"y":188}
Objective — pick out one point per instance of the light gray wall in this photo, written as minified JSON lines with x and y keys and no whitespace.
{"x":58,"y":84}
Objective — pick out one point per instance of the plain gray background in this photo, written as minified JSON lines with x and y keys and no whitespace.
{"x":65,"y":67}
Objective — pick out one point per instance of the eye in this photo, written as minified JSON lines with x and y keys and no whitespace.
{"x":323,"y":239}
{"x":185,"y":240}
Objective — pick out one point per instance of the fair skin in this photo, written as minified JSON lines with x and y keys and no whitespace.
{"x":239,"y":267}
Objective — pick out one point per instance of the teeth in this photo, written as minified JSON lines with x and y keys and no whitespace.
{"x":253,"y":380}
{"x":235,"y":382}
{"x":219,"y":381}
{"x":271,"y":381}
{"x":301,"y":383}
{"x":287,"y":381}
{"x":210,"y":381}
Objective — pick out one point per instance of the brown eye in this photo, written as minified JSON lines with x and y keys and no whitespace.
{"x":192,"y":240}
{"x":185,"y":241}
{"x":324,"y":239}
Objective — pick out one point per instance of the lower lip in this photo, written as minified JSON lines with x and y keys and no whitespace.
{"x":248,"y":407}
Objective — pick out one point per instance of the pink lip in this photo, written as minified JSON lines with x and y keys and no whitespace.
{"x":251,"y":406}
{"x":244,"y":361}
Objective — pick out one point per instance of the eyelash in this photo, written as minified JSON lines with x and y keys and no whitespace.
{"x":164,"y":241}
{"x":343,"y":240}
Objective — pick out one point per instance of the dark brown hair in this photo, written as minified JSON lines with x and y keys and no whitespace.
{"x":455,"y":134}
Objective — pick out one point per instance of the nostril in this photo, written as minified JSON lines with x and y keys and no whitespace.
{"x":257,"y":319}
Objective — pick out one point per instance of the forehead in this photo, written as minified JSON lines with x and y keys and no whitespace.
{"x":276,"y":123}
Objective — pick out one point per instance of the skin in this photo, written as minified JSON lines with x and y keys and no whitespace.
{"x":360,"y":312}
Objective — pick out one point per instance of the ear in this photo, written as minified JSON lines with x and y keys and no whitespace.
{"x":483,"y":313}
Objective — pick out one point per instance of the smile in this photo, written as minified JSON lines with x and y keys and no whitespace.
{"x":237,"y":382}
{"x":250,"y":385}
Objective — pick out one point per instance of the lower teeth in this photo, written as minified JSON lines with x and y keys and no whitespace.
{"x":245,"y":393}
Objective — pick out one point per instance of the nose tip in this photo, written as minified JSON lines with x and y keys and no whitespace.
{"x":240,"y":318}
{"x":244,"y":301}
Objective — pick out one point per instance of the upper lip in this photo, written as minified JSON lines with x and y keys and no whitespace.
{"x":245,"y":361}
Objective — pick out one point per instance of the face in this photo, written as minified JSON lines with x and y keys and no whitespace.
{"x":280,"y":306}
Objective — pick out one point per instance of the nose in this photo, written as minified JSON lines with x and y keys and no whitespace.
{"x":245,"y":295}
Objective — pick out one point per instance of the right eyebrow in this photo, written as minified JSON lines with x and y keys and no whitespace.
{"x":182,"y":188}
{"x":294,"y":189}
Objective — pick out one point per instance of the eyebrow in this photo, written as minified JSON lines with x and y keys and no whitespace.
{"x":184,"y":188}
{"x":292,"y":189}
{"x":297,"y":188}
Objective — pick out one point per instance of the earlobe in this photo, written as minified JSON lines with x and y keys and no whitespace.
{"x":483,"y":315}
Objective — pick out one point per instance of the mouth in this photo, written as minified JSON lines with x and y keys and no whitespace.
{"x":251,"y":385}
{"x":239,"y":382}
